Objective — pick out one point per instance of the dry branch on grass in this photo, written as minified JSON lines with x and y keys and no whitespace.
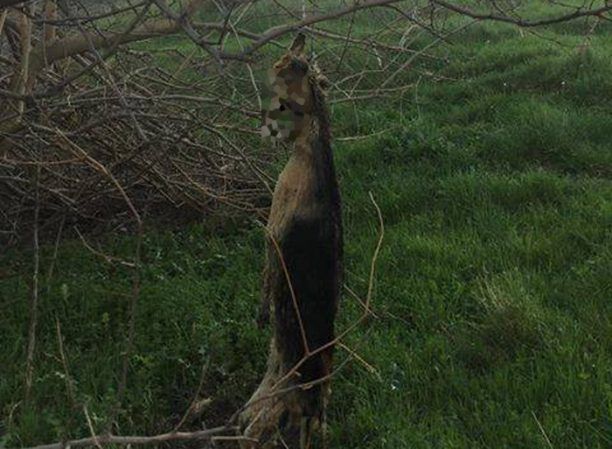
{"x":215,"y":434}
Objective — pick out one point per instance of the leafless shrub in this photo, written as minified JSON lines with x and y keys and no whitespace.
{"x":176,"y":126}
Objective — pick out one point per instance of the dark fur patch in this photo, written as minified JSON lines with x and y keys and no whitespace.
{"x":312,"y":251}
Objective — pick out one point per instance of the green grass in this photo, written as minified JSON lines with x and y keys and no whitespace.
{"x":493,"y":287}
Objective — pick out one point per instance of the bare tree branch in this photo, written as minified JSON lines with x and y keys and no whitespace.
{"x":276,"y":32}
{"x":524,"y":23}
{"x":6,"y":3}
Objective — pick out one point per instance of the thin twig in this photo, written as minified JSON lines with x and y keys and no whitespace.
{"x":33,"y":293}
{"x":60,"y":344}
{"x":541,"y":428}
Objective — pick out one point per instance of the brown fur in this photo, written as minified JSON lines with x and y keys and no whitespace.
{"x":305,"y":224}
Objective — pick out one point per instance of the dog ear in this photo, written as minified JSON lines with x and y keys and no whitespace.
{"x":298,"y":44}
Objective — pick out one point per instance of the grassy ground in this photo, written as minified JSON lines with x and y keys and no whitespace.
{"x":493,"y":290}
